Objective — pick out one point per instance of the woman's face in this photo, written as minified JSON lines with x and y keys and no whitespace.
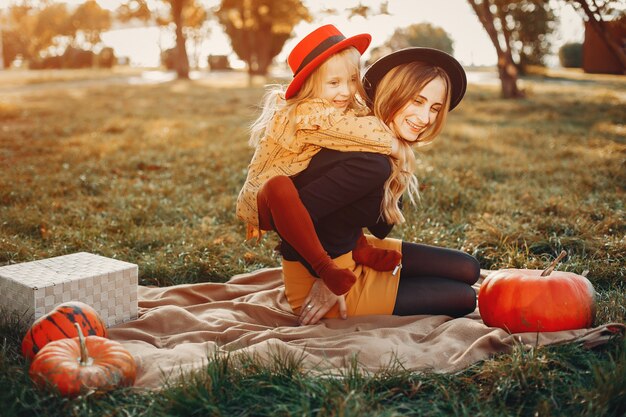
{"x":420,"y":112}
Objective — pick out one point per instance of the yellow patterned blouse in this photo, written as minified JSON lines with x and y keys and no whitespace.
{"x":318,"y":125}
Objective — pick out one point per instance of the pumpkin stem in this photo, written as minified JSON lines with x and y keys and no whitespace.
{"x":553,"y":265}
{"x":84,"y":355}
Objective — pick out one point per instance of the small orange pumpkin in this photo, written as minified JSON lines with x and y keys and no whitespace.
{"x":74,"y":366}
{"x":59,"y":324}
{"x":531,"y":300}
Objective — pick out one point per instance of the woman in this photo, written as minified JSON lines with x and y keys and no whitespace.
{"x":344,"y":191}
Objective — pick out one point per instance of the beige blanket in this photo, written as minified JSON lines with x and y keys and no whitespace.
{"x":179,"y":328}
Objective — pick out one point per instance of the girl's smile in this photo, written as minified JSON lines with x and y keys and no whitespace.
{"x":339,"y":83}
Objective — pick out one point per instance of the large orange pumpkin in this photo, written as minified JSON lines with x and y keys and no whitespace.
{"x":524,"y":300}
{"x":77,"y":365}
{"x":59,"y":324}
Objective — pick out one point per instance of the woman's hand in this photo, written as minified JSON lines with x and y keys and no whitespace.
{"x":319,"y":301}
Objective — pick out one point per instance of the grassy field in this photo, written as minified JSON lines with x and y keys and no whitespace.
{"x":150,"y":175}
{"x":22,"y":77}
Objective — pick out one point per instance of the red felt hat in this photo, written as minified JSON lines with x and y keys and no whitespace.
{"x":316,"y":48}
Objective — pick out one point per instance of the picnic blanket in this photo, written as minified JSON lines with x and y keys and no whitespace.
{"x":181,"y":327}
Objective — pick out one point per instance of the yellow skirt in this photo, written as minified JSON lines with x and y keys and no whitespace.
{"x":373,"y":293}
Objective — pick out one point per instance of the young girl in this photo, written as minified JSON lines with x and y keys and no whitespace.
{"x":412,"y":91}
{"x":319,"y":109}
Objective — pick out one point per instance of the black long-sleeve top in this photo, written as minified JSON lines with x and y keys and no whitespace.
{"x":342,"y":192}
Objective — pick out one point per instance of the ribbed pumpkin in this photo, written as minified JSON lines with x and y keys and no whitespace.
{"x":531,"y":300}
{"x":59,"y":324}
{"x":81,"y":364}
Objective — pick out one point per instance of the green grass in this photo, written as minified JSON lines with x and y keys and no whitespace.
{"x":150,"y":175}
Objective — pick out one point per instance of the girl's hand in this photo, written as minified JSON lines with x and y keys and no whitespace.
{"x":319,"y":301}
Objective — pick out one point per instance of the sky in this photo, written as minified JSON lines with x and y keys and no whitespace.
{"x":471,"y":43}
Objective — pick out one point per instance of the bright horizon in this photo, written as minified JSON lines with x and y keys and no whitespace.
{"x":472,"y":45}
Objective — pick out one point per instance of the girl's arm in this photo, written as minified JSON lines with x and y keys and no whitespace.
{"x":353,"y":134}
{"x":318,"y":123}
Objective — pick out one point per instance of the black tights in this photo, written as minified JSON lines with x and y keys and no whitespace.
{"x":436,"y":281}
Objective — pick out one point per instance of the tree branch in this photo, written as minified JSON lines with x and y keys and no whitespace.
{"x":486,"y":18}
{"x":506,"y":32}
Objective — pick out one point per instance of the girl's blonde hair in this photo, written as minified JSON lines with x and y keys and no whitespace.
{"x":394,"y":91}
{"x":274,"y":98}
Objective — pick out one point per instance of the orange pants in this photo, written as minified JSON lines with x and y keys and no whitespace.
{"x":373,"y":293}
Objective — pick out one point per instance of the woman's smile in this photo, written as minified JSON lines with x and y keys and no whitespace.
{"x":417,"y":127}
{"x":419,"y":113}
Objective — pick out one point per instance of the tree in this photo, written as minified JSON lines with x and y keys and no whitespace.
{"x":41,"y":30}
{"x":134,"y":9}
{"x":50,"y":23}
{"x":1,"y":41}
{"x":90,"y":19}
{"x":196,"y":30}
{"x":182,"y":60}
{"x":532,"y":24}
{"x":518,"y":29}
{"x":17,"y":24}
{"x":595,"y":11}
{"x":420,"y":34}
{"x":8,"y":39}
{"x":571,"y":55}
{"x":31,"y":28}
{"x":12,"y":46}
{"x":258,"y":29}
{"x":362,"y":10}
{"x":175,"y":13}
{"x":493,"y":16}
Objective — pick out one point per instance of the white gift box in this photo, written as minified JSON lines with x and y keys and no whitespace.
{"x":33,"y":289}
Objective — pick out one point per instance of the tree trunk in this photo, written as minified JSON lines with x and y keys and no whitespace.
{"x":181,"y":61}
{"x":600,"y":28}
{"x":507,"y":72}
{"x":1,"y":49}
{"x":263,"y":53}
{"x":251,"y":56}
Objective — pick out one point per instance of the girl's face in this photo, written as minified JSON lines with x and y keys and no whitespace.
{"x":420,"y":112}
{"x":339,"y":82}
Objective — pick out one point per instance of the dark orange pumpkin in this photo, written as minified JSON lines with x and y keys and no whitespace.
{"x":531,"y":300}
{"x":59,"y":324}
{"x":77,"y":365}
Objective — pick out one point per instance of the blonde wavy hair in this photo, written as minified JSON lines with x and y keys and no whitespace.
{"x":274,"y":98}
{"x":392,"y":94}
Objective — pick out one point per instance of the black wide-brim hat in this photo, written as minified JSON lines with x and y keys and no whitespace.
{"x":438,"y":58}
